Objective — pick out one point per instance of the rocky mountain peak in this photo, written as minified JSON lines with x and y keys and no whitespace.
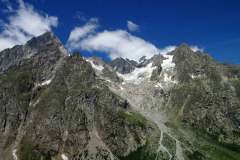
{"x":49,"y":40}
{"x":184,"y":50}
{"x":191,"y":64}
{"x":43,"y":39}
{"x":122,"y":65}
{"x":46,"y":45}
{"x":184,"y":46}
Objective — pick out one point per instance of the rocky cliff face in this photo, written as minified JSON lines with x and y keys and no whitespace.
{"x":211,"y":102}
{"x":54,"y":107}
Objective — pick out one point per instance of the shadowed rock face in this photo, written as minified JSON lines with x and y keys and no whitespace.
{"x":190,"y":63}
{"x":46,"y":43}
{"x":53,"y":106}
{"x":123,"y":66}
{"x":206,"y":96}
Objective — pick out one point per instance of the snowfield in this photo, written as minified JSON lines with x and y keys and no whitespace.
{"x":97,"y":67}
{"x":138,"y":74}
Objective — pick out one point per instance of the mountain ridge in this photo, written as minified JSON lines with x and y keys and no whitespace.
{"x":60,"y":106}
{"x":52,"y":106}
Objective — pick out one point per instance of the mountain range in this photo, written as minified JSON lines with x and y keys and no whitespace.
{"x":56,"y":105}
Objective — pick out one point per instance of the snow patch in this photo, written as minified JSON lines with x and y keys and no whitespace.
{"x":35,"y":103}
{"x":195,"y":76}
{"x":138,"y":74}
{"x":158,"y":85}
{"x":168,"y":62}
{"x":168,"y":69}
{"x":44,"y":83}
{"x":47,"y":82}
{"x":14,"y":153}
{"x":108,"y":80}
{"x":64,"y":157}
{"x":167,"y":77}
{"x":95,"y":66}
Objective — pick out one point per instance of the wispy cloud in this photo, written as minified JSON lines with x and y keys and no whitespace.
{"x":196,"y":48}
{"x":23,"y":24}
{"x":117,"y":43}
{"x":78,"y":33}
{"x":132,"y":27}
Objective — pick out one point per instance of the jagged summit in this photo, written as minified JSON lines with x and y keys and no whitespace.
{"x":184,"y":49}
{"x":44,"y":39}
{"x":46,"y":45}
{"x":184,"y":46}
{"x":122,"y":65}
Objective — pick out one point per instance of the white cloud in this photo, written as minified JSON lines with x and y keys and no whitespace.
{"x":116,"y":43}
{"x":132,"y":26}
{"x":6,"y":43}
{"x":120,"y":43}
{"x":23,"y":24}
{"x":167,"y":49}
{"x":78,"y":33}
{"x":196,"y":48}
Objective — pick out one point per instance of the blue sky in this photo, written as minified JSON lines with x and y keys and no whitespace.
{"x":212,"y":25}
